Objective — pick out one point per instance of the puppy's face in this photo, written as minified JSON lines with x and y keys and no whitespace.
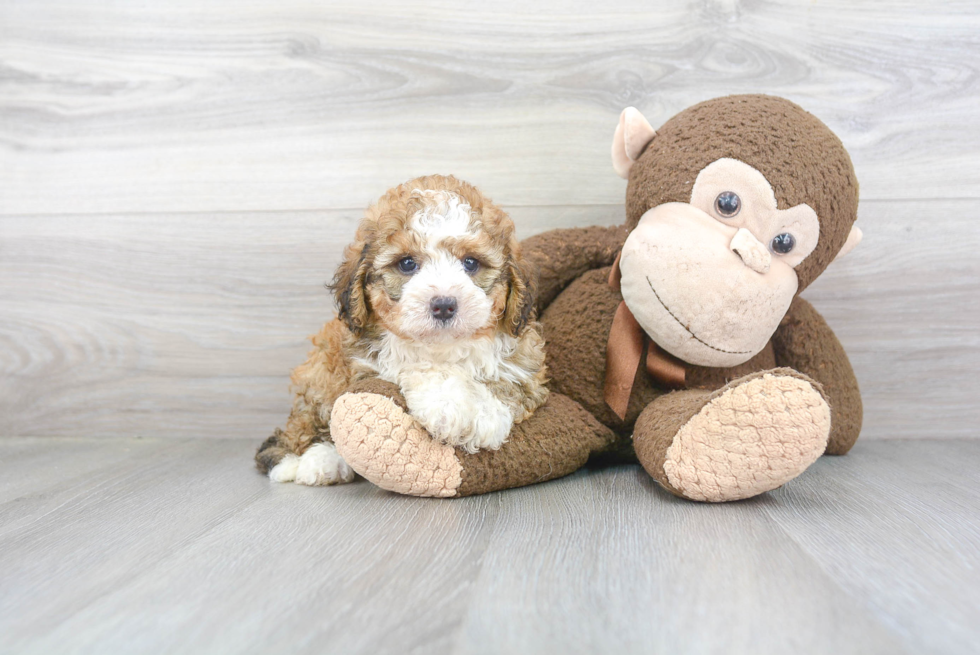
{"x":439,"y":264}
{"x":438,"y":278}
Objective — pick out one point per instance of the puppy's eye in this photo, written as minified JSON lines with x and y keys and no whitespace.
{"x":783,"y":243}
{"x":471,"y":265}
{"x":407,"y":265}
{"x":727,"y":204}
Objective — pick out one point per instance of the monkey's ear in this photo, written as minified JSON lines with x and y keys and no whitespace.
{"x":632,"y":135}
{"x":853,"y":238}
{"x":348,"y":287}
{"x":520,"y":296}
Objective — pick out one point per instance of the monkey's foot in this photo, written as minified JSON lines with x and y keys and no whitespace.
{"x":752,"y":436}
{"x":382,"y":442}
{"x":385,"y":445}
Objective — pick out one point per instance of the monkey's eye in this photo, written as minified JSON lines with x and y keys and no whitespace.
{"x":471,"y":265}
{"x":727,"y":204}
{"x":783,"y":243}
{"x":407,"y":265}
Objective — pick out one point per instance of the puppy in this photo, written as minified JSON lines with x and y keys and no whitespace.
{"x":434,"y":297}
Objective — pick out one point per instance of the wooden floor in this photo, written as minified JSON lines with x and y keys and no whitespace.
{"x":179,"y":546}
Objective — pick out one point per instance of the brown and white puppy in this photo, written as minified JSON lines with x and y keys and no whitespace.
{"x":433,"y":296}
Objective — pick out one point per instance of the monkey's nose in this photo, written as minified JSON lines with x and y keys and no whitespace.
{"x":443,"y":308}
{"x":754,"y":254}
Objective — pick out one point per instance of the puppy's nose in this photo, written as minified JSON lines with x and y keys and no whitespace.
{"x":443,"y":308}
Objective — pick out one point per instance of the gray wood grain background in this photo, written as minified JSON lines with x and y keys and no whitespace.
{"x":177,"y":179}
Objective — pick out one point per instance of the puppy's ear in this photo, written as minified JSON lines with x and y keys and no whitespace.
{"x":520,"y":294}
{"x":349,"y":290}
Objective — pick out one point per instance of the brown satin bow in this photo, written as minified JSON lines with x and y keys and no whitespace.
{"x":624,"y":351}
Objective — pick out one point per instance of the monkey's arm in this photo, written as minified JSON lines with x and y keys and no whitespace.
{"x":561,"y":256}
{"x":804,"y":342}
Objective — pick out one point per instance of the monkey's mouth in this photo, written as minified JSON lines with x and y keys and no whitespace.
{"x":686,"y":329}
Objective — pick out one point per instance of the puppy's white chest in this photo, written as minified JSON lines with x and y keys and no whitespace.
{"x":469,"y":361}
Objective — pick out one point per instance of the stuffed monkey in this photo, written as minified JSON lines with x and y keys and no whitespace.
{"x":679,"y":338}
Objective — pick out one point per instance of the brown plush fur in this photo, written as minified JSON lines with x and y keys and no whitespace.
{"x":563,"y":255}
{"x":367,"y":288}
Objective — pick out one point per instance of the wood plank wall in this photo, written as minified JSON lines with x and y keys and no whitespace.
{"x":177,"y":179}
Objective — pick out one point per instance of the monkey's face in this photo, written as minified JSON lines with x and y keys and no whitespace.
{"x":710,"y":280}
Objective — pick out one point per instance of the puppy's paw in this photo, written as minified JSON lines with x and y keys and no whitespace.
{"x":458,"y":414}
{"x":285,"y":470}
{"x":320,"y":465}
{"x":445,"y":411}
{"x":490,"y":427}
